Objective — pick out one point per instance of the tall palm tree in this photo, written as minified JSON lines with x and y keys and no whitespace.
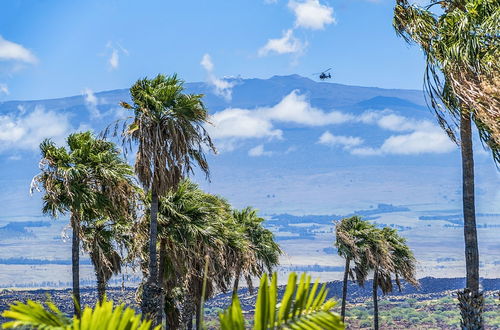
{"x":168,"y":129}
{"x":265,"y":250}
{"x":462,"y":54}
{"x":350,"y":243}
{"x":88,"y":180}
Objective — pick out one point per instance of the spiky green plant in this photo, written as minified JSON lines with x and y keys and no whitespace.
{"x":302,"y":307}
{"x":103,"y":316}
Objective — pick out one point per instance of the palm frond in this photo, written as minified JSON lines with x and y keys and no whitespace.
{"x":302,"y":307}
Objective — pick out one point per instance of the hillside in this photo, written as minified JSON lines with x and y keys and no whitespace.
{"x":288,"y":146}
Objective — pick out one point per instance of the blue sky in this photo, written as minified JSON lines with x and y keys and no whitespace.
{"x":55,"y":48}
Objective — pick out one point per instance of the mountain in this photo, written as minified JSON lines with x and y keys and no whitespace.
{"x":287,"y":145}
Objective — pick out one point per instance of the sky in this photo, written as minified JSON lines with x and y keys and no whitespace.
{"x":51,"y":48}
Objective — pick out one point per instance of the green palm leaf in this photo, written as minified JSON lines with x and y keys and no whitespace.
{"x":103,"y":316}
{"x":302,"y":307}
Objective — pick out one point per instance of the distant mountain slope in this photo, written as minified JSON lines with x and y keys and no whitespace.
{"x":326,"y":149}
{"x":251,"y":93}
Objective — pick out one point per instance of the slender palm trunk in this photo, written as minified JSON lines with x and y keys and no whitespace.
{"x":101,"y":285}
{"x":153,"y":237}
{"x":151,"y":290}
{"x":375,"y":300}
{"x":161,"y":276}
{"x":344,"y":287}
{"x":471,"y":301}
{"x":236,"y":281}
{"x":75,"y":263}
{"x":470,"y":232}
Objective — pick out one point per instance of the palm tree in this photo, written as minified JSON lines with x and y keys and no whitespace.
{"x":462,"y":74}
{"x":265,"y":250}
{"x":168,"y":128}
{"x":350,"y":244}
{"x":373,"y":255}
{"x":88,"y":180}
{"x":98,"y":239}
{"x":402,"y":266}
{"x":192,"y":224}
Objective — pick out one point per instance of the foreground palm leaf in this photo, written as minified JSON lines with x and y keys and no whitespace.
{"x":103,"y":316}
{"x":302,"y":307}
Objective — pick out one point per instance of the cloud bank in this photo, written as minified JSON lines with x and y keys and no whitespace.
{"x":25,"y":131}
{"x":237,"y":124}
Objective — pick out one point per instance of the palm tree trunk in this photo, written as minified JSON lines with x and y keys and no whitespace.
{"x":471,"y":301}
{"x":151,"y":290}
{"x":161,"y":276}
{"x":375,"y":300}
{"x":101,"y":286}
{"x":470,"y":232}
{"x":236,"y":281}
{"x":75,"y":263}
{"x":344,"y":287}
{"x":153,"y":237}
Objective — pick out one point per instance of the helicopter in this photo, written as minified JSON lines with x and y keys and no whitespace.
{"x":324,"y":74}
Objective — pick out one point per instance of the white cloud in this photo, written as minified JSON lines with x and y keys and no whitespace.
{"x":259,"y":151}
{"x":114,"y":56}
{"x":424,"y":136}
{"x":287,"y":44}
{"x":234,"y":123}
{"x":241,"y":124}
{"x":91,"y":101}
{"x":114,"y":59}
{"x":311,"y":14}
{"x":418,"y":142}
{"x":222,"y":87}
{"x":295,"y":108}
{"x":25,"y":132}
{"x":11,"y":51}
{"x":347,"y":142}
{"x":206,"y":63}
{"x":4,"y":89}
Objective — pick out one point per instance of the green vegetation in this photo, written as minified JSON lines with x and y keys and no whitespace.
{"x":104,"y":315}
{"x":91,"y":182}
{"x":301,"y":307}
{"x":411,"y":313}
{"x":381,"y":251}
{"x":460,"y":44}
{"x":168,"y":130}
{"x":190,"y":245}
